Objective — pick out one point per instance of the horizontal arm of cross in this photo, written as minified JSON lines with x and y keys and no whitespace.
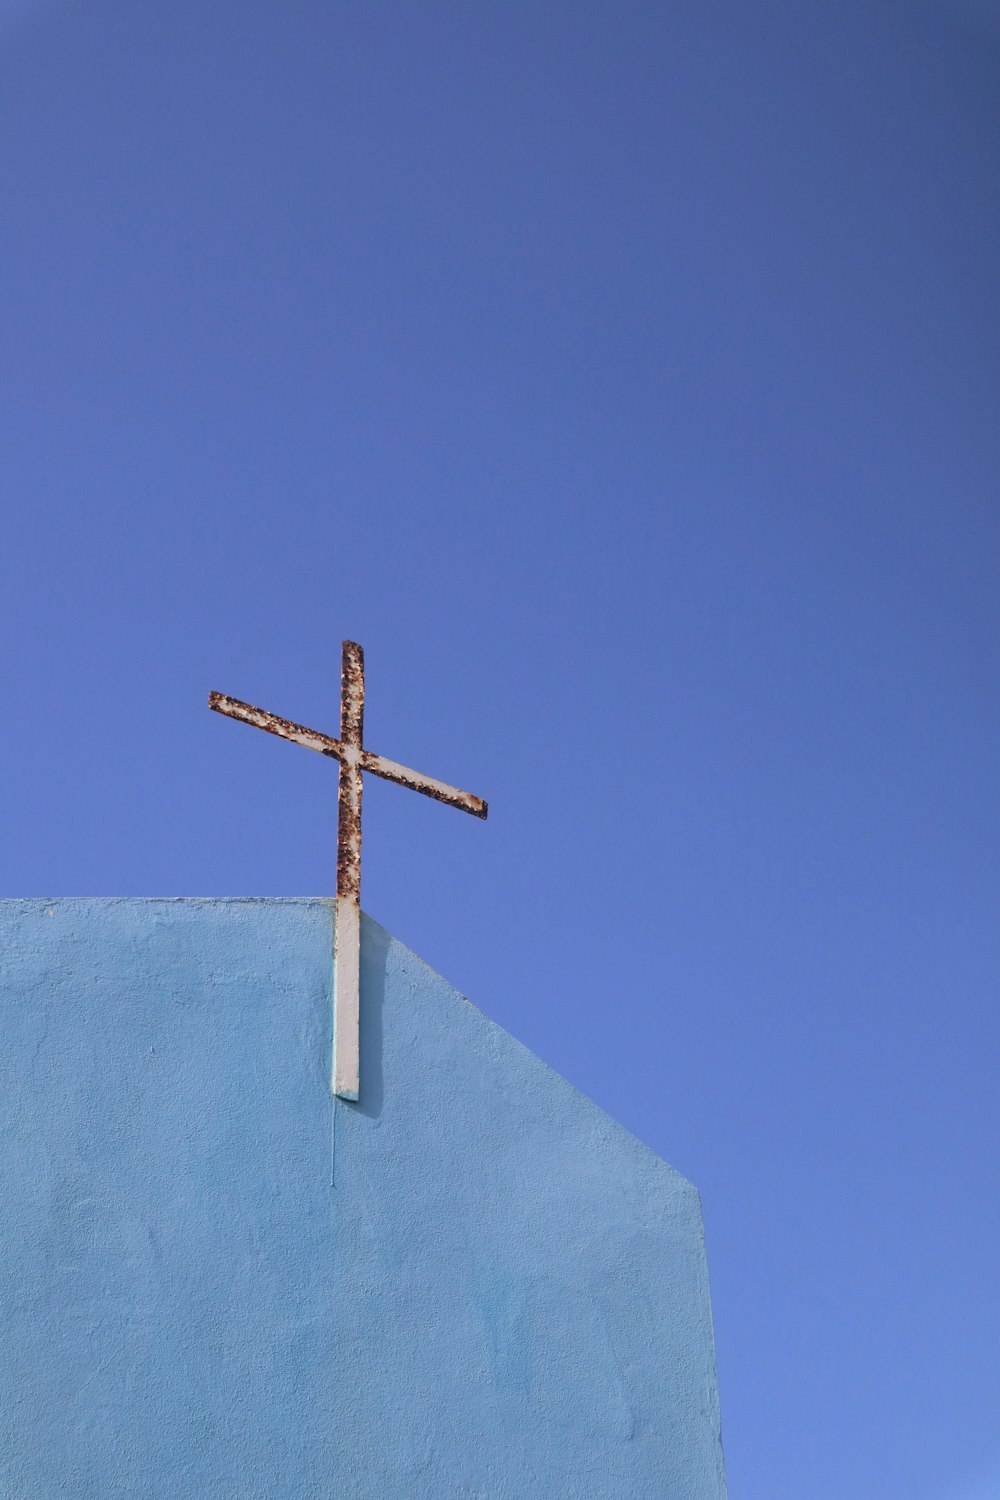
{"x":377,"y":765}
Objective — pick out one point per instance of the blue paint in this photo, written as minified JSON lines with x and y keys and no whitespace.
{"x":504,"y":1294}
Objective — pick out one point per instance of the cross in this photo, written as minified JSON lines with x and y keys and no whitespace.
{"x":353,"y":759}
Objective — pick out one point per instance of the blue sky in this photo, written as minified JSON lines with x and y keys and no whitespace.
{"x":624,"y":378}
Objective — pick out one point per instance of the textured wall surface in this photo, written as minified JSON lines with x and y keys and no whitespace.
{"x":214,"y":1284}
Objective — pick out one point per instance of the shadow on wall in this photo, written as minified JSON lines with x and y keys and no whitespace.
{"x":374,"y":956}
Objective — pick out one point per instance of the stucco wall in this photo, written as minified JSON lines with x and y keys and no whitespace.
{"x":471,"y":1283}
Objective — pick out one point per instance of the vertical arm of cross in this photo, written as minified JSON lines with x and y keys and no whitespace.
{"x":347,"y":947}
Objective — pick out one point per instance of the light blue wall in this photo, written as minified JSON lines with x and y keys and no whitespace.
{"x":472,"y":1283}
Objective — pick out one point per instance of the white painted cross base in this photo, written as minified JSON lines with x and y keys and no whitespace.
{"x":346,"y":998}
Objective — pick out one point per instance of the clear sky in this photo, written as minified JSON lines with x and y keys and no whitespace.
{"x":624,"y":377}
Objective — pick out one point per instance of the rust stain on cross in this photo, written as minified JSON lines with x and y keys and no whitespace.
{"x":354,"y":760}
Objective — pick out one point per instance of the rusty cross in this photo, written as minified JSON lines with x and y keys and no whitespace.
{"x":353,"y":758}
